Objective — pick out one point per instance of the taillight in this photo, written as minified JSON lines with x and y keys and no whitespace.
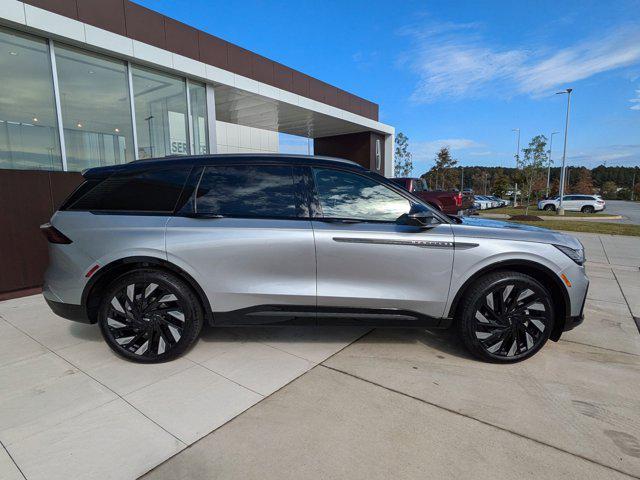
{"x":459,"y":200}
{"x":53,"y":234}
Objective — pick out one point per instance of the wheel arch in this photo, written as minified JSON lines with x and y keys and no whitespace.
{"x":106,"y":274}
{"x":559,"y":294}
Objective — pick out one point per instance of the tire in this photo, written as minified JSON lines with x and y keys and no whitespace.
{"x":502,"y":331}
{"x":588,"y":209}
{"x":138,"y":326}
{"x":549,"y":207}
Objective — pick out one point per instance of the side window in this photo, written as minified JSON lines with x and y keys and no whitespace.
{"x":349,"y":195}
{"x":149,"y":191}
{"x":247,"y":191}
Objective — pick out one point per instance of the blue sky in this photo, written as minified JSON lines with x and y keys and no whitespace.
{"x":459,"y":73}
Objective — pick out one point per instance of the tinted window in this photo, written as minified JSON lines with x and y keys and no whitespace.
{"x":151,"y":191}
{"x":348,"y":195}
{"x":247,"y":191}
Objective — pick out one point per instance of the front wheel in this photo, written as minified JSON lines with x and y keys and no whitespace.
{"x":549,"y":208}
{"x":150,"y":316}
{"x":505,"y":317}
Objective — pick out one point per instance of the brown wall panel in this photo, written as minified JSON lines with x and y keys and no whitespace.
{"x":62,"y":184}
{"x":282,"y":77}
{"x":144,"y":25}
{"x":316,"y":89}
{"x":374,"y":111}
{"x":300,"y":84}
{"x":344,"y":100}
{"x":239,"y":60}
{"x":213,"y":50}
{"x":352,"y":146}
{"x":68,"y":8}
{"x":331,"y":95}
{"x":105,"y":14}
{"x":28,"y":199}
{"x":181,"y":39}
{"x":262,"y":69}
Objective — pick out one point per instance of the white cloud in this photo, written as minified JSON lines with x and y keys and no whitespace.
{"x":425,"y":152}
{"x":455,"y":61}
{"x":635,"y":101}
{"x":611,"y":155}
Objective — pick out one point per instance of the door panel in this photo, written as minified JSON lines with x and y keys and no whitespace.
{"x":242,"y":263}
{"x":384,"y":266}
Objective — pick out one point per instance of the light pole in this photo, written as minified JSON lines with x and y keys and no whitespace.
{"x":564,"y":151}
{"x":549,"y":161}
{"x":518,"y":145}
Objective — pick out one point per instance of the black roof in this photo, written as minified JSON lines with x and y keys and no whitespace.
{"x":236,"y":159}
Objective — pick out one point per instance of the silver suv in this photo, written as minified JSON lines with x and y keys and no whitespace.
{"x":153,"y":249}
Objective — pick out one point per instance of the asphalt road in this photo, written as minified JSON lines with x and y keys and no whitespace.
{"x":629,"y":210}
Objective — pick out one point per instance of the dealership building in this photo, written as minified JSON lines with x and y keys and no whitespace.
{"x":86,"y":83}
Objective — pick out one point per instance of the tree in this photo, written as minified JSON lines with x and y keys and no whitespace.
{"x":442,"y":168}
{"x":584,"y":184}
{"x":609,"y":190}
{"x":534,"y":159}
{"x":501,"y":185}
{"x":403,"y":165}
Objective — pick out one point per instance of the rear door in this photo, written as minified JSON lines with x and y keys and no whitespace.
{"x":246,"y":237}
{"x":368,"y":262}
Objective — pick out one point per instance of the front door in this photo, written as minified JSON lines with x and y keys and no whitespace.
{"x":368,"y":262}
{"x":249,"y":244}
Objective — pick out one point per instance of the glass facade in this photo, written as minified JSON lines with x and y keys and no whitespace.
{"x":161,"y":113}
{"x":96,"y":109}
{"x":94,"y":105}
{"x":28,"y":125}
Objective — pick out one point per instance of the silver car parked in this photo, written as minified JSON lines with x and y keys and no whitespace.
{"x":154,"y":249}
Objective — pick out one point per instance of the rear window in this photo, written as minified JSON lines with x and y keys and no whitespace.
{"x":247,"y":191}
{"x":149,"y":191}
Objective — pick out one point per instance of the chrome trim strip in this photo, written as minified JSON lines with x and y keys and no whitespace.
{"x":410,"y":243}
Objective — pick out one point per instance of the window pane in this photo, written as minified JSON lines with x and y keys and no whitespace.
{"x":247,"y":191}
{"x":348,"y":195}
{"x":96,"y":110}
{"x":152,"y":191}
{"x":198,"y":99}
{"x":161,"y":113}
{"x":28,"y":124}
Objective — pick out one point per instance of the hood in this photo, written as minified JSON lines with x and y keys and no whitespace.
{"x":487,"y":228}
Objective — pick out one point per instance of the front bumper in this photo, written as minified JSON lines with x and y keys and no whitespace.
{"x":573,"y":321}
{"x":77,"y":313}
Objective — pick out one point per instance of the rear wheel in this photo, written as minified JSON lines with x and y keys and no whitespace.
{"x":505,"y":317}
{"x":150,"y":316}
{"x":588,"y":209}
{"x":549,"y":208}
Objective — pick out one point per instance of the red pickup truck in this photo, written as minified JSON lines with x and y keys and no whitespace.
{"x":451,"y":203}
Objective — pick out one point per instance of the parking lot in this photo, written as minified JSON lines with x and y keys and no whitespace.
{"x":295,"y":403}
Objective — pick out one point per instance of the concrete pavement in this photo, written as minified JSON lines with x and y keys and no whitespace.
{"x":413,"y":404}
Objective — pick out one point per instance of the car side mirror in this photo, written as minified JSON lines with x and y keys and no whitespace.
{"x":421,"y":219}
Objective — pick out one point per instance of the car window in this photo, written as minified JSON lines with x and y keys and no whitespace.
{"x":148,"y":191}
{"x":349,"y":195}
{"x":247,"y":191}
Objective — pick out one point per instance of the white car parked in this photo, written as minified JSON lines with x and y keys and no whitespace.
{"x":574,"y":203}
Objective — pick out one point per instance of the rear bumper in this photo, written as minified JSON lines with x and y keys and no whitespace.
{"x":77,"y":313}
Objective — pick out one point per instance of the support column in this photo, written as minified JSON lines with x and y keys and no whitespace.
{"x":368,"y":149}
{"x":211,"y":118}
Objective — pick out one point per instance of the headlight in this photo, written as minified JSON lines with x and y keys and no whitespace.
{"x":577,"y":255}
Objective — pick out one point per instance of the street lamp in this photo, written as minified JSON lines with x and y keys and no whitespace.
{"x":564,"y":152}
{"x":518,"y":144}
{"x":549,"y":166}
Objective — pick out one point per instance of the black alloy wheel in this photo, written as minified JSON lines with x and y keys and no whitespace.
{"x":549,"y":208}
{"x":150,"y":316}
{"x":588,"y":209}
{"x":508,"y":316}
